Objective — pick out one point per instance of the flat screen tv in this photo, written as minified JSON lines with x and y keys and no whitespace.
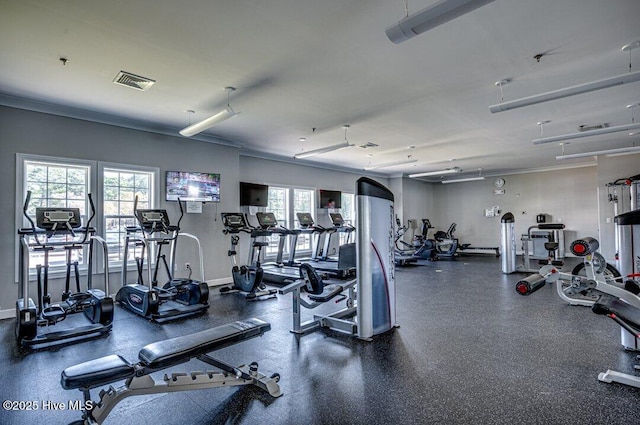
{"x":193,"y":186}
{"x":330,"y":198}
{"x":253,"y":194}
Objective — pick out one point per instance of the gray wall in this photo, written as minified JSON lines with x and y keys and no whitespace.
{"x":414,"y":201}
{"x":260,"y":170}
{"x":576,"y":197}
{"x":568,"y":196}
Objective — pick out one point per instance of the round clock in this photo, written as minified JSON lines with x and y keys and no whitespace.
{"x":499,"y":182}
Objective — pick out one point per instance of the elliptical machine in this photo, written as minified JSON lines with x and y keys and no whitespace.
{"x":404,"y":253}
{"x":179,"y":297}
{"x":246,"y":279}
{"x":55,"y":229}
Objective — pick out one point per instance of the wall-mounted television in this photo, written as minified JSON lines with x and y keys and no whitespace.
{"x":253,"y":194}
{"x":330,"y":198}
{"x":192,"y":186}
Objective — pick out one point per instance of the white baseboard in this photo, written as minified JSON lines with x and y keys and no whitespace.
{"x":7,"y":314}
{"x":220,"y":282}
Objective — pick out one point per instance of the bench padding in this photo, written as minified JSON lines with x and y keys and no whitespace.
{"x":610,"y":305}
{"x":163,"y":354}
{"x":96,"y":373}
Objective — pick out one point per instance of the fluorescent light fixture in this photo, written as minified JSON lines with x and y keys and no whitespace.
{"x":453,"y":170}
{"x":468,"y":179}
{"x":430,"y":17}
{"x":326,"y":149}
{"x":596,"y":132}
{"x":629,"y":77}
{"x":618,"y":151}
{"x":201,"y":126}
{"x":205,"y":124}
{"x":390,"y":164}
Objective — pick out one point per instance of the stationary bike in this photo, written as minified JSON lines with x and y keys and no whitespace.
{"x":246,"y":279}
{"x":446,"y":243}
{"x":425,"y":248}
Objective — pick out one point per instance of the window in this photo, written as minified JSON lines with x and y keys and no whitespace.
{"x":348,"y":212}
{"x":53,"y":182}
{"x":279,"y":205}
{"x":120,"y":187}
{"x":285,"y":202}
{"x":63,"y":182}
{"x":303,"y":202}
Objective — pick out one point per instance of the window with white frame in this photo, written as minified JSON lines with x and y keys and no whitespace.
{"x":348,"y":211}
{"x":54,"y":182}
{"x":303,"y":202}
{"x":66,"y":183}
{"x":278,"y":204}
{"x":284,"y":203}
{"x":121,"y":185}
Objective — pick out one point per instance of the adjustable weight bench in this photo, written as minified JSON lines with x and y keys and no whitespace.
{"x":161,"y":355}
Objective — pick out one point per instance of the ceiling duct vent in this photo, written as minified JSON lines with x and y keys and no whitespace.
{"x":134,"y":81}
{"x":591,"y":127}
{"x":368,"y":145}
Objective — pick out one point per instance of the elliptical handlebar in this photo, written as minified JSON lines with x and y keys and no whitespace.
{"x":87,"y":226}
{"x":33,"y":225}
{"x":181,"y":213}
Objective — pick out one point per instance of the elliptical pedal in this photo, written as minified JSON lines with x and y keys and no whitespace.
{"x":52,"y":315}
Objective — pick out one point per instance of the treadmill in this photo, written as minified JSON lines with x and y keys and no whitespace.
{"x":278,"y":272}
{"x":342,"y":267}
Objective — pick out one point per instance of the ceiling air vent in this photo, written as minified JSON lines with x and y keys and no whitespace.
{"x":134,"y":81}
{"x":590,"y":127}
{"x":368,"y":145}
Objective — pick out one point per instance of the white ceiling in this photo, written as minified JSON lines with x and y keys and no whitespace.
{"x":299,"y":65}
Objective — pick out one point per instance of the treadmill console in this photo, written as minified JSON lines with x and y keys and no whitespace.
{"x":233,"y":221}
{"x":305,"y":220}
{"x":266,"y":220}
{"x":336,"y":219}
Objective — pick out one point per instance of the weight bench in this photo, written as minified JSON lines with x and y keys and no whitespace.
{"x":161,"y":355}
{"x":628,"y":317}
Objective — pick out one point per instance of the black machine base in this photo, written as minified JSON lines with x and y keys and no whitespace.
{"x":98,"y":309}
{"x":177,"y":299}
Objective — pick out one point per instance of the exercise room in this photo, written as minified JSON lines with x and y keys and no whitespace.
{"x":320,"y":212}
